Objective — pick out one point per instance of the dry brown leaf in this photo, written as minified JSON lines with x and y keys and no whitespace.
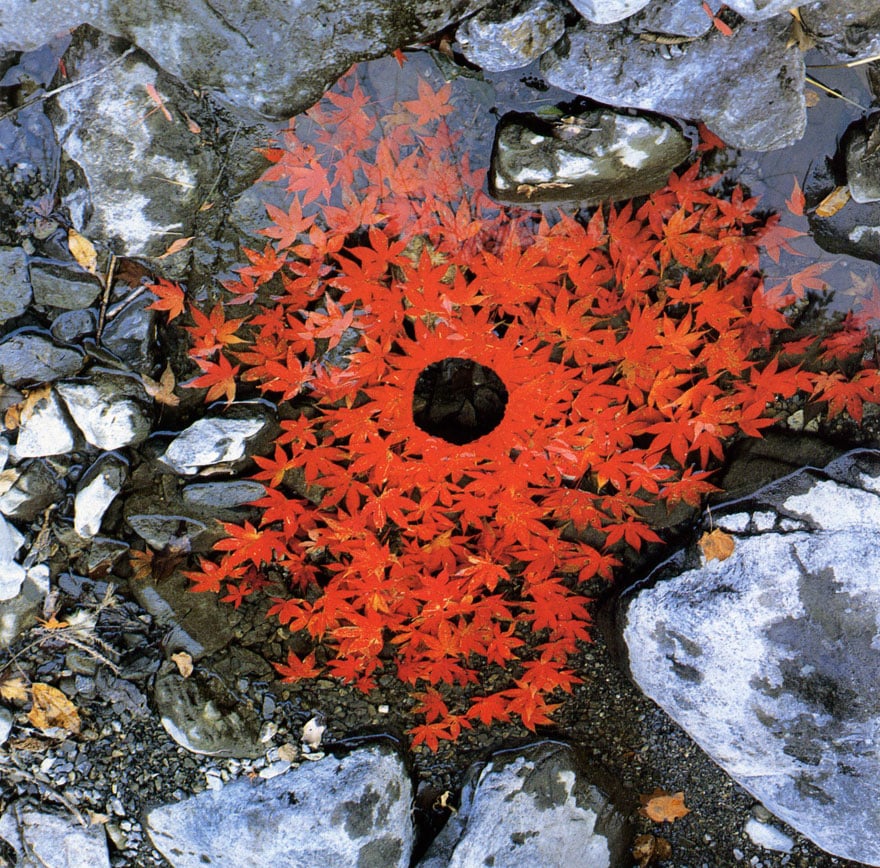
{"x":661,"y":807}
{"x":8,"y":478}
{"x":12,"y":417}
{"x":163,"y":390}
{"x":184,"y":663}
{"x":176,"y":246}
{"x":717,"y":545}
{"x":812,"y":98}
{"x":83,"y":251}
{"x":833,"y":202}
{"x":160,"y":103}
{"x":191,"y":125}
{"x":13,"y":689}
{"x":34,"y":396}
{"x":142,"y":564}
{"x":648,"y":850}
{"x":52,"y":709}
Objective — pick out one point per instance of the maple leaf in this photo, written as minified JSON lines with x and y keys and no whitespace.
{"x":774,"y":237}
{"x":169,"y":297}
{"x":218,"y":378}
{"x":163,"y":390}
{"x":663,"y":807}
{"x":212,"y":332}
{"x":717,"y":545}
{"x":430,"y":105}
{"x":245,"y":543}
{"x":296,"y":669}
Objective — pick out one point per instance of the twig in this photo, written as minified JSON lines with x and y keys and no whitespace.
{"x":849,"y":65}
{"x":828,"y":90}
{"x":108,"y":285}
{"x":50,"y":93}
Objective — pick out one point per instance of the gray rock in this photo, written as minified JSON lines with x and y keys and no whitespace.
{"x":36,"y":488}
{"x":216,"y":439}
{"x":145,"y":174}
{"x":758,"y":10}
{"x":15,"y":287}
{"x":203,"y":715}
{"x":45,"y":428}
{"x":532,"y":806}
{"x":131,"y":335}
{"x":861,"y":146}
{"x":508,"y":37}
{"x":74,"y":325}
{"x":674,"y":17}
{"x":111,"y":409}
{"x":6,"y":722}
{"x":21,"y":612}
{"x":29,"y":357}
{"x":768,"y":659}
{"x":41,"y":839}
{"x":224,"y":495}
{"x":596,"y":156}
{"x":197,"y":623}
{"x":97,"y":489}
{"x":63,"y":285}
{"x":844,"y":29}
{"x":12,"y":574}
{"x":353,"y":810}
{"x":608,"y":11}
{"x":750,"y":84}
{"x":235,"y":50}
{"x":161,"y":530}
{"x":854,"y":229}
{"x":768,"y":836}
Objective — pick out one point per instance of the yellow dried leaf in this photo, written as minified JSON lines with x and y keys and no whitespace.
{"x":13,"y":689}
{"x":142,"y":564}
{"x":52,"y":709}
{"x":163,"y":390}
{"x":661,"y":807}
{"x":833,"y":202}
{"x":34,"y":396}
{"x":812,"y":98}
{"x":8,"y":478}
{"x":176,"y":246}
{"x":717,"y":545}
{"x":83,"y":251}
{"x":12,"y":417}
{"x":184,"y":663}
{"x":52,"y":623}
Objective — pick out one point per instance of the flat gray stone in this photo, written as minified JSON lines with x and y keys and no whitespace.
{"x":608,"y":11}
{"x":769,"y":659}
{"x":747,"y":88}
{"x":15,"y":287}
{"x":595,"y":156}
{"x":45,"y":429}
{"x":63,"y":285}
{"x":111,"y":409}
{"x":348,"y":811}
{"x":40,"y":838}
{"x":532,"y":806}
{"x":97,"y":489}
{"x":29,"y":357}
{"x":502,"y":38}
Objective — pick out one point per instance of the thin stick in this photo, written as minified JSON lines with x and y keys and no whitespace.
{"x":50,"y":93}
{"x":108,"y":286}
{"x":839,"y":95}
{"x":849,"y":65}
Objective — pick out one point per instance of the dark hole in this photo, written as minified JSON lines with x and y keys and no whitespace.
{"x":458,"y":400}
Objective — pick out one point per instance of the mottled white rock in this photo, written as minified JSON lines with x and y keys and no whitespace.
{"x":97,"y":490}
{"x":768,"y":836}
{"x":770,"y":658}
{"x":57,"y":840}
{"x":608,"y":11}
{"x":532,"y":806}
{"x":211,"y":441}
{"x":757,"y":10}
{"x":350,"y":810}
{"x":45,"y":429}
{"x":110,"y":409}
{"x":12,"y":574}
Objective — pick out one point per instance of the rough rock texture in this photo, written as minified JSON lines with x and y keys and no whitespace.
{"x":507,"y":38}
{"x":532,"y":806}
{"x":769,"y":658}
{"x":750,"y":84}
{"x":590,"y":158}
{"x":860,"y":146}
{"x":608,"y":11}
{"x":844,"y":29}
{"x":40,"y":838}
{"x":146,"y":175}
{"x":272,"y":57}
{"x":353,"y":810}
{"x":15,"y":287}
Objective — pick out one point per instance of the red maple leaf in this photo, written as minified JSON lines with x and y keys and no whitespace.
{"x":169,"y":297}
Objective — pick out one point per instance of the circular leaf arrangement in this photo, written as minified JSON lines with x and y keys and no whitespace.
{"x":627,"y":345}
